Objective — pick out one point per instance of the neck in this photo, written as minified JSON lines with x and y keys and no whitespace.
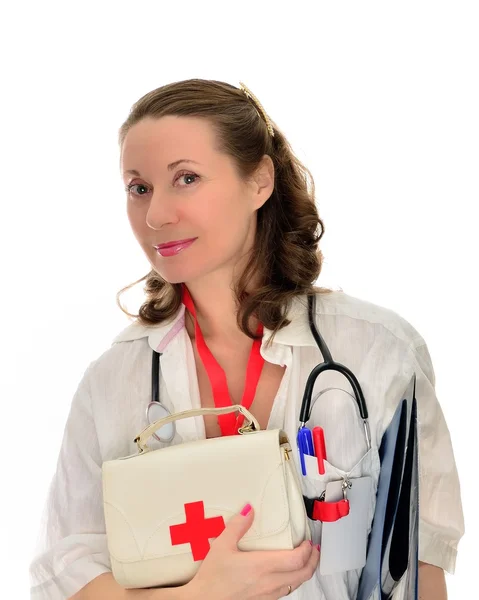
{"x":216,"y":314}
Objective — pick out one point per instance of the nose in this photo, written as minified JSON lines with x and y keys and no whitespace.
{"x":161,"y":211}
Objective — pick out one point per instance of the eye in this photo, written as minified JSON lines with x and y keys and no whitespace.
{"x":185,"y":174}
{"x":129,"y":187}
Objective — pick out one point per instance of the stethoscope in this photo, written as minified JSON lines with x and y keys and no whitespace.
{"x":156,"y":410}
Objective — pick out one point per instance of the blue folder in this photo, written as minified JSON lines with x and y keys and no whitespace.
{"x":392,"y":552}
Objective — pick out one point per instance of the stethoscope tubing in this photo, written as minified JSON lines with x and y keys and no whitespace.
{"x":155,"y":397}
{"x":329,"y":365}
{"x":305,"y":414}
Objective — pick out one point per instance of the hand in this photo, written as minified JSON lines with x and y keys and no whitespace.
{"x":228,"y":573}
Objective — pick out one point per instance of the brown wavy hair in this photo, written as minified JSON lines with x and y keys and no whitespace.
{"x":285,"y":257}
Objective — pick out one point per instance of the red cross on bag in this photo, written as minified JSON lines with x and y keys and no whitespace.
{"x":197,"y":530}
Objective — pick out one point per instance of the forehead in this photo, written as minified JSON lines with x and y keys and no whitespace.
{"x":157,"y":142}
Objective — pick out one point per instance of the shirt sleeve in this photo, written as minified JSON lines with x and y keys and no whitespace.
{"x":441,"y":519}
{"x":71,"y":547}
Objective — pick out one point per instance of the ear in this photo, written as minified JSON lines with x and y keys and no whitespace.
{"x":263,"y":182}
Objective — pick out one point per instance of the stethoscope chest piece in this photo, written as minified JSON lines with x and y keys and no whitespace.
{"x":156,"y":411}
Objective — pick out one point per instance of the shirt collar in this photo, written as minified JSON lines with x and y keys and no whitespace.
{"x":297,"y":333}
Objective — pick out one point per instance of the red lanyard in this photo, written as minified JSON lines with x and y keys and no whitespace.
{"x":228,"y":423}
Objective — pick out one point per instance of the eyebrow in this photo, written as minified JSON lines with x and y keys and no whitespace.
{"x":171,"y":166}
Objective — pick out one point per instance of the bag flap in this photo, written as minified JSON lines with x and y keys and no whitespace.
{"x":146,"y":494}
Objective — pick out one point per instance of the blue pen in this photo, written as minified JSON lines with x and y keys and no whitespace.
{"x":305,"y":446}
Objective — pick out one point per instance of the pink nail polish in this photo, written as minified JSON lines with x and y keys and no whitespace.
{"x":318,"y":547}
{"x":311,"y":542}
{"x":246,"y":510}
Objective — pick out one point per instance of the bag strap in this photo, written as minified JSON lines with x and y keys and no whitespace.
{"x":144,"y":436}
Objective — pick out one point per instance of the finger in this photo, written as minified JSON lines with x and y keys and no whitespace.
{"x":280,"y":561}
{"x":279,"y":582}
{"x":236,"y":528}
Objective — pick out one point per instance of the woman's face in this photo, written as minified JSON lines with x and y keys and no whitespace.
{"x":204,"y":199}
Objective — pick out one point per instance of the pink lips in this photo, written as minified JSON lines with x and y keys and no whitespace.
{"x":173,"y":248}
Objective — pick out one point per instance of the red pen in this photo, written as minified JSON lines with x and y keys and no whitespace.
{"x":319,"y":448}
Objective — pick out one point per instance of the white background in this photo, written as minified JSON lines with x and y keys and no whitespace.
{"x":379,"y":99}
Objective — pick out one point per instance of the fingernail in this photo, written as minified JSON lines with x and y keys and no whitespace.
{"x":311,"y":542}
{"x":246,"y":510}
{"x":318,"y":547}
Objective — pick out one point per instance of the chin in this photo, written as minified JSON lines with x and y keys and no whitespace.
{"x":170,"y":278}
{"x":173,"y":275}
{"x":182,"y":275}
{"x":184,"y":270}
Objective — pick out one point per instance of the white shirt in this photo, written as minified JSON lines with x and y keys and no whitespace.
{"x":108,"y":410}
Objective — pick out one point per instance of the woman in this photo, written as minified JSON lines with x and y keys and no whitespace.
{"x":202,"y":162}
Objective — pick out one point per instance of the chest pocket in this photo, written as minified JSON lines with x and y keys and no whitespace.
{"x":314,"y":484}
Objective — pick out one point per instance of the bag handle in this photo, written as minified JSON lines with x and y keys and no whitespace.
{"x":145,"y":435}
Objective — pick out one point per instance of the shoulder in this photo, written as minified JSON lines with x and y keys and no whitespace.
{"x":133,"y":331}
{"x":132,"y":345}
{"x":127,"y":349}
{"x":342,"y":309}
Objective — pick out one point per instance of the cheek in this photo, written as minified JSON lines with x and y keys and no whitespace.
{"x":135,"y":223}
{"x":139,"y":228}
{"x":227,"y":230}
{"x":133,"y":217}
{"x":226,"y":216}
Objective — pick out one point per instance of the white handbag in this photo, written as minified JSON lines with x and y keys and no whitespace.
{"x":163,"y":506}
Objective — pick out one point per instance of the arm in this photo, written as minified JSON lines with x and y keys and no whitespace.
{"x":105,"y":587}
{"x":72,"y":547}
{"x":441,"y":519}
{"x":432,"y":582}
